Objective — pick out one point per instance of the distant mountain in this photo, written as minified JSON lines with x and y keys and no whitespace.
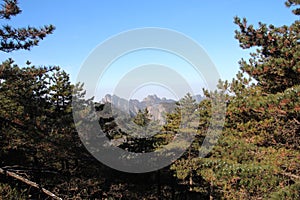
{"x":156,"y":106}
{"x":198,"y":98}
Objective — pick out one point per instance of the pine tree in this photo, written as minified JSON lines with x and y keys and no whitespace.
{"x":142,"y":118}
{"x":36,"y":114}
{"x":19,"y":38}
{"x":258,"y":153}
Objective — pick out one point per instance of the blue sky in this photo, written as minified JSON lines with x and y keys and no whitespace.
{"x":81,"y":25}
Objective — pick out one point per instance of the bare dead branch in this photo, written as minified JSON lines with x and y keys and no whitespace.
{"x":293,"y":176}
{"x":28,"y":182}
{"x":296,"y":121}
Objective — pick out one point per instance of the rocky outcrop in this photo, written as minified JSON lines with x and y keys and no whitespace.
{"x":156,"y":106}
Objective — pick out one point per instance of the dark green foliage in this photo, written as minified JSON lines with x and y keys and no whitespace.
{"x":258,"y":154}
{"x":142,"y":118}
{"x":292,"y":3}
{"x":9,"y":193}
{"x":275,"y":64}
{"x":12,"y":39}
{"x":289,"y":192}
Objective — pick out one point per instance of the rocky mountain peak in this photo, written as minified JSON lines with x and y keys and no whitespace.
{"x":156,"y":106}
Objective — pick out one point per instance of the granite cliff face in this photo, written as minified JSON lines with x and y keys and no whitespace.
{"x":156,"y":106}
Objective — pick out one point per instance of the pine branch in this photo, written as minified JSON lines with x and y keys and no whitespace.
{"x":28,"y":182}
{"x":9,"y":8}
{"x":18,"y":169}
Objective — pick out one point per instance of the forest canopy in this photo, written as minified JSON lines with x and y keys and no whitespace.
{"x":256,"y":157}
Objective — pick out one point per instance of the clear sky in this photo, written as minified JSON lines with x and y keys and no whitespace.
{"x":81,"y":25}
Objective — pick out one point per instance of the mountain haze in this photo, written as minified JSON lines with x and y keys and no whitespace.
{"x":156,"y":106}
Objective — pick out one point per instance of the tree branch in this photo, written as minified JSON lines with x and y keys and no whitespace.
{"x":297,"y":122}
{"x":293,"y":176}
{"x":28,"y":182}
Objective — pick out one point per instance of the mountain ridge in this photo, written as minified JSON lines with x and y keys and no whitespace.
{"x":156,"y":106}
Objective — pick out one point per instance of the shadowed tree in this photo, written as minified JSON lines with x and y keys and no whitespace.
{"x":258,"y":154}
